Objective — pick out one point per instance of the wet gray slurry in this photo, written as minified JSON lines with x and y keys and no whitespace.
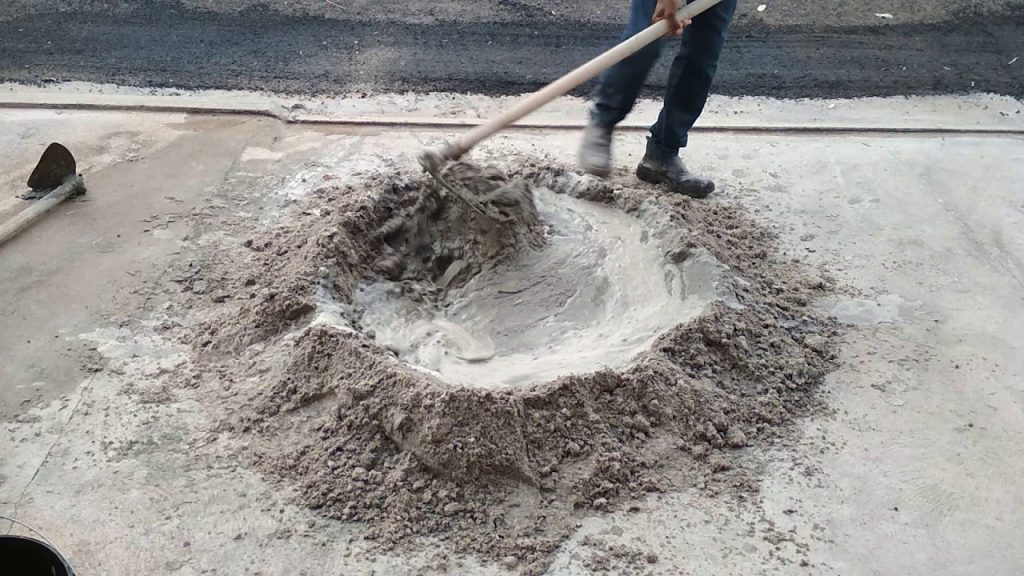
{"x":597,"y":293}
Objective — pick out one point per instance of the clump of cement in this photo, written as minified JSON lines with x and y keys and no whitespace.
{"x":476,"y":218}
{"x":392,"y":227}
{"x":502,"y":473}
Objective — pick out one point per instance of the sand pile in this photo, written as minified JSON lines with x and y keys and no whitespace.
{"x":503,"y":471}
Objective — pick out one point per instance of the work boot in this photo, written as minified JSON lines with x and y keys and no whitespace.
{"x":661,"y":167}
{"x":596,"y":151}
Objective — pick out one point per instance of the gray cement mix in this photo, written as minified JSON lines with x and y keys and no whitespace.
{"x":597,"y":293}
{"x":665,"y":335}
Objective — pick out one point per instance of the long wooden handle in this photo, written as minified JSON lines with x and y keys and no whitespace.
{"x":22,"y":220}
{"x":571,"y":80}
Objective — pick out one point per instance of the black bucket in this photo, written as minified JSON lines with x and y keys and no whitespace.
{"x":30,"y":557}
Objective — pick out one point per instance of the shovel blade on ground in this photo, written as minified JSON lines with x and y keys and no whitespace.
{"x":56,"y":164}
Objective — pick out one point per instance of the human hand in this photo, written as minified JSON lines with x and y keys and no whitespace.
{"x":666,"y":10}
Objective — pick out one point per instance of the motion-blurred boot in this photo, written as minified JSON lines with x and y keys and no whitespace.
{"x":596,"y":151}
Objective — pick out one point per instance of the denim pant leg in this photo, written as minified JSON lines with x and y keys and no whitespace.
{"x":621,"y":84}
{"x":690,"y":79}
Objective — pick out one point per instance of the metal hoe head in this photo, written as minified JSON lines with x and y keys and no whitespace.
{"x":54,"y":167}
{"x":433,"y":159}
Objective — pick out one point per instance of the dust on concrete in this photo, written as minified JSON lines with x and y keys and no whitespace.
{"x":616,"y":558}
{"x":502,"y":473}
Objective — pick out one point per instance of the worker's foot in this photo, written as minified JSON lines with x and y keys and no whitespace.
{"x":659,"y":167}
{"x":596,"y":151}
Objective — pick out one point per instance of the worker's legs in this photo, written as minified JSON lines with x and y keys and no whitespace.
{"x":690,"y":78}
{"x":617,"y":92}
{"x":689,"y":83}
{"x":621,"y":84}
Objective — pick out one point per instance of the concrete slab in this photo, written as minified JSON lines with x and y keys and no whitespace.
{"x":980,"y":112}
{"x":915,"y":472}
{"x":83,"y":262}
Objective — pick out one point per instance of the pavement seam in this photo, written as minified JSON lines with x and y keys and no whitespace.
{"x":86,"y":387}
{"x":431,"y":123}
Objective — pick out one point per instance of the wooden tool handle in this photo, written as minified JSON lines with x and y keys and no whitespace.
{"x":72,"y":185}
{"x":563,"y":85}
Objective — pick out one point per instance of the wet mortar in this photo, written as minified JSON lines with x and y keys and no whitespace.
{"x":599,"y":291}
{"x":485,"y":370}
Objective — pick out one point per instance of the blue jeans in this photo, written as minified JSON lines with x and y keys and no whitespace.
{"x":688,"y":82}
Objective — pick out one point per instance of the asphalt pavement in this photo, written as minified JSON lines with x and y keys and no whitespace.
{"x":836,"y":50}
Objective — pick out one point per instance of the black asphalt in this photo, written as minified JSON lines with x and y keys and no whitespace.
{"x":162,"y":46}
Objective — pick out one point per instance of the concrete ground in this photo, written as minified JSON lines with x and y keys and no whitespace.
{"x":916,"y":470}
